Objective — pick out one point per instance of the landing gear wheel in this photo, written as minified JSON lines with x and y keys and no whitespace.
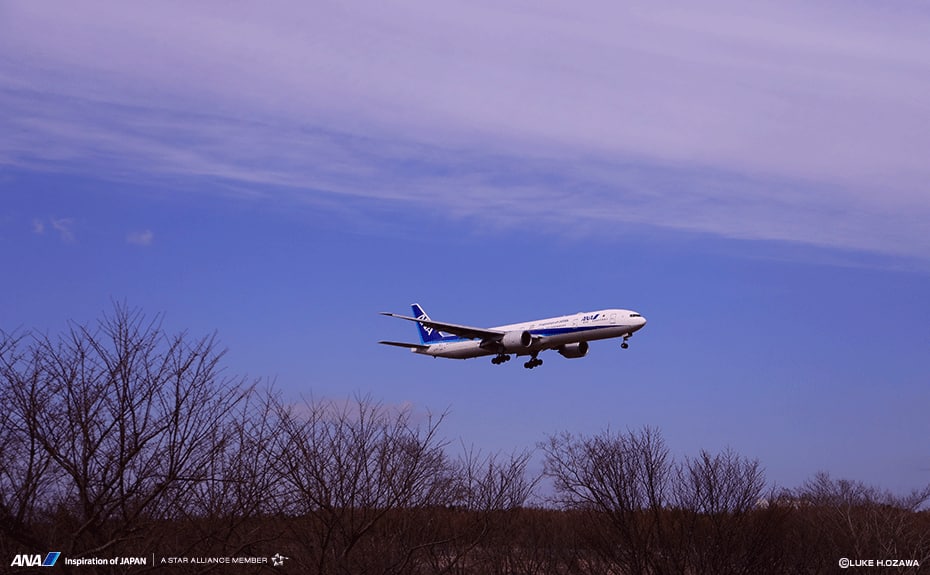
{"x":533,"y":363}
{"x":624,"y":345}
{"x":499,"y":359}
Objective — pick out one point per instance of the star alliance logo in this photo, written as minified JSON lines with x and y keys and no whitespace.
{"x":277,"y":560}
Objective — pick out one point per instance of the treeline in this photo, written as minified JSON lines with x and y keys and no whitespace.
{"x":119,"y":439}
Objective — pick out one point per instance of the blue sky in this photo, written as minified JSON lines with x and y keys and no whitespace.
{"x":751,"y":180}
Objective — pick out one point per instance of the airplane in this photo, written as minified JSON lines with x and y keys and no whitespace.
{"x":567,"y":334}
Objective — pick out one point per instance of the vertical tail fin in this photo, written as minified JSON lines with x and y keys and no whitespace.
{"x":427,"y":334}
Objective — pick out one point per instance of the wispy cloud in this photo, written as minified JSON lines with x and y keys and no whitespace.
{"x":38,"y":227}
{"x":779,"y":120}
{"x":140,"y":238}
{"x":64,"y":228}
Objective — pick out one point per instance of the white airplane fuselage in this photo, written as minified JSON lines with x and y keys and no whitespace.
{"x":567,"y":334}
{"x":550,"y":333}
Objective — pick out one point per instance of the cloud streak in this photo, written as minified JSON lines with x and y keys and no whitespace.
{"x":777,"y":121}
{"x":142,"y":238}
{"x":64,"y":228}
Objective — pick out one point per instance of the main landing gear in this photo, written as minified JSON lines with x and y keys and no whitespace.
{"x":502,"y":358}
{"x":535,"y":362}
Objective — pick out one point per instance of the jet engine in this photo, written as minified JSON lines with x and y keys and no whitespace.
{"x":514,"y":341}
{"x":574,"y":350}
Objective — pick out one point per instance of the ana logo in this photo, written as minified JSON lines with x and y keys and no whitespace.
{"x":590,"y":317}
{"x":26,"y":560}
{"x":427,"y":329}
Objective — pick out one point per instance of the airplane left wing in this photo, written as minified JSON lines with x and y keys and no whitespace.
{"x":459,"y":330}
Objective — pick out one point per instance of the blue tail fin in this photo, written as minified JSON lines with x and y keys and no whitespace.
{"x":427,"y":334}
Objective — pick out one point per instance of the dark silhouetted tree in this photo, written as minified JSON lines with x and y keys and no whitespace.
{"x":349,"y":470}
{"x":110,"y":430}
{"x":622,"y":482}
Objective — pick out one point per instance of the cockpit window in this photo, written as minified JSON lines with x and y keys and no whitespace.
{"x":635,"y":315}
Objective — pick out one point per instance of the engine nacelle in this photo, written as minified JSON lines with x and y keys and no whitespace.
{"x":574,"y":350}
{"x":514,"y":341}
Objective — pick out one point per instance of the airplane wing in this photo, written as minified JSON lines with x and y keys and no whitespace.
{"x":459,"y":330}
{"x":415,"y":346}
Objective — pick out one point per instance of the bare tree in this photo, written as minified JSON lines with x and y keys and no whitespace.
{"x":115,"y":428}
{"x":855,"y":519}
{"x":621,"y":481}
{"x":26,"y":473}
{"x":494,"y":482}
{"x":721,"y":528}
{"x":490,"y":492}
{"x":349,"y":470}
{"x":234,"y":512}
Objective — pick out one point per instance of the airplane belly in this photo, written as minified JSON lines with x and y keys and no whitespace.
{"x":612,"y":331}
{"x":608,"y":332}
{"x":459,"y":350}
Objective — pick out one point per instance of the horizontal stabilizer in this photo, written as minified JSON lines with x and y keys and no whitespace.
{"x":415,"y":346}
